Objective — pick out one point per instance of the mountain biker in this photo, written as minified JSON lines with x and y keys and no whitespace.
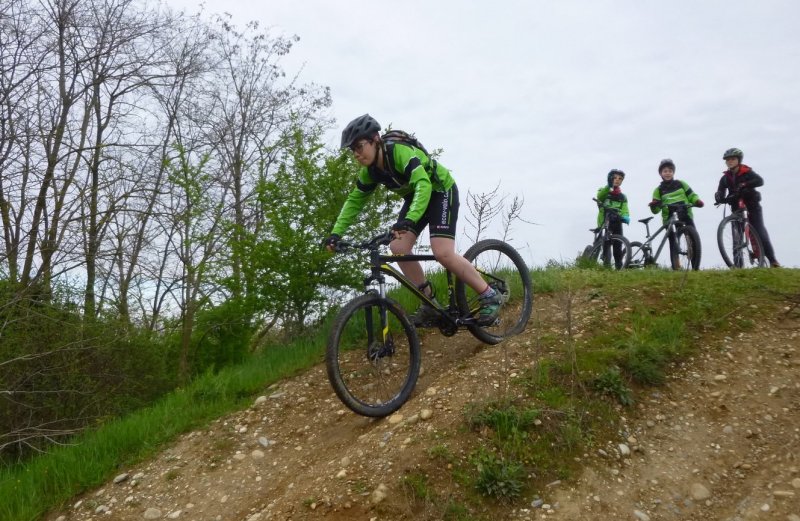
{"x":611,"y":196}
{"x":740,"y":180}
{"x":672,"y":191}
{"x":430,"y":198}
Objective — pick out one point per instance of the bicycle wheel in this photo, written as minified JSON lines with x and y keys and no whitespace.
{"x":586,"y":254}
{"x":688,"y":251}
{"x":502,"y":267}
{"x":755,"y":249}
{"x":373,"y":370}
{"x":638,"y":257}
{"x":739,"y":244}
{"x":605,"y":252}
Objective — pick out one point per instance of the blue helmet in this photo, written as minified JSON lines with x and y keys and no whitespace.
{"x":612,"y":173}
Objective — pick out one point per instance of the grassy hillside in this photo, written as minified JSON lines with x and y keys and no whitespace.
{"x":640,"y":323}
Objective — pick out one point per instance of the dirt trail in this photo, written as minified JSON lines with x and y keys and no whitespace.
{"x":720,"y":441}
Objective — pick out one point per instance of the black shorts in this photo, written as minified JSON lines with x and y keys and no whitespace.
{"x":441,"y":214}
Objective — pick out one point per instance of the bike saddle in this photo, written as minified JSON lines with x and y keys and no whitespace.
{"x":645,"y":221}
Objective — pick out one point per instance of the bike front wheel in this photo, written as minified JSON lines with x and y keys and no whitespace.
{"x":502,"y":267}
{"x":740,"y":244}
{"x":373,"y":356}
{"x":615,"y":253}
{"x":688,"y":249}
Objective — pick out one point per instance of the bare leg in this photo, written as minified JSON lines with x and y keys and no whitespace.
{"x":444,"y":249}
{"x":402,"y":245}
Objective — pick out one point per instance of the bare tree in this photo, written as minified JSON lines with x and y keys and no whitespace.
{"x":252,"y":108}
{"x":19,"y":65}
{"x":127,"y":60}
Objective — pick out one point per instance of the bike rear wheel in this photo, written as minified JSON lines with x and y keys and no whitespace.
{"x":740,"y":244}
{"x":373,"y":369}
{"x":604,"y":251}
{"x":688,"y":252}
{"x":639,"y":257}
{"x":502,"y":267}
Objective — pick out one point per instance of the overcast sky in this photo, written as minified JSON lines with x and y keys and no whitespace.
{"x":545,"y":98}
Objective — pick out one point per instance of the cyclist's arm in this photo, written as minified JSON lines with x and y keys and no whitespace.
{"x":656,"y":208}
{"x":623,"y":212}
{"x":602,"y":195}
{"x":722,"y":189}
{"x":753,"y":180}
{"x":355,"y":202}
{"x":691,"y":195}
{"x":407,"y":162}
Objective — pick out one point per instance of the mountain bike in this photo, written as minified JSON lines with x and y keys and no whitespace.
{"x":373,"y":352}
{"x":739,"y":243}
{"x":687,"y":249}
{"x":606,"y":243}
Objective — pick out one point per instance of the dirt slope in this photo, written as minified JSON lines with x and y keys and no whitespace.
{"x":721,"y":441}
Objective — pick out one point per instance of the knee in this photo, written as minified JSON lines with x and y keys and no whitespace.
{"x":445,"y":257}
{"x":399,"y":248}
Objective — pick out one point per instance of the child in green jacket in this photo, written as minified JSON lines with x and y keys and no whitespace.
{"x":672,"y":191}
{"x":611,"y":196}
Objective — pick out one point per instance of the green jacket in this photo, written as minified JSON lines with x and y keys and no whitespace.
{"x":607,"y":199}
{"x":669,"y":192}
{"x":411,"y":173}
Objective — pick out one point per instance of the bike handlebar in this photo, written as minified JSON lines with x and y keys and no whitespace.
{"x":374,"y":243}
{"x":733,"y":198}
{"x":605,"y":206}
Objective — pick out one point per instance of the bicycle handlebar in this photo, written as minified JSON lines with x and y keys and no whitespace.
{"x":605,"y":206}
{"x":374,"y":243}
{"x":730,"y":199}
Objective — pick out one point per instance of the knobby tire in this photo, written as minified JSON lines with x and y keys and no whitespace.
{"x":372,"y":378}
{"x":606,"y":257}
{"x":736,"y":250}
{"x":689,"y":250}
{"x":502,"y":267}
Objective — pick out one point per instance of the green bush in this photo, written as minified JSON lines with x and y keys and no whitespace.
{"x":610,"y":383}
{"x":498,"y":477}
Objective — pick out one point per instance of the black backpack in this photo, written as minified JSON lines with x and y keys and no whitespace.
{"x":392,"y":137}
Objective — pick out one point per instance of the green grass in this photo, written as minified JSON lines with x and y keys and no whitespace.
{"x":47,"y":481}
{"x":639,"y":324}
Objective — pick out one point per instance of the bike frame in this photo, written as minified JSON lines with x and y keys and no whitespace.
{"x":380,"y":267}
{"x":603,"y":233}
{"x":670,"y":227}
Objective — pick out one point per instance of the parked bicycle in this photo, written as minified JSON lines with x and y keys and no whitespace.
{"x":612,"y":249}
{"x":687,"y":251}
{"x":373,"y":352}
{"x":739,"y":243}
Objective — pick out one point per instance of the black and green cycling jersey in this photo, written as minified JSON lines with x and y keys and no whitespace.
{"x":670,"y":192}
{"x":608,"y":199}
{"x":410,"y":173}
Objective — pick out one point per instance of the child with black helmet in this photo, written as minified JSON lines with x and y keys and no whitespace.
{"x":672,"y":191}
{"x":611,"y":196}
{"x":430,"y":199}
{"x":741,"y":180}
